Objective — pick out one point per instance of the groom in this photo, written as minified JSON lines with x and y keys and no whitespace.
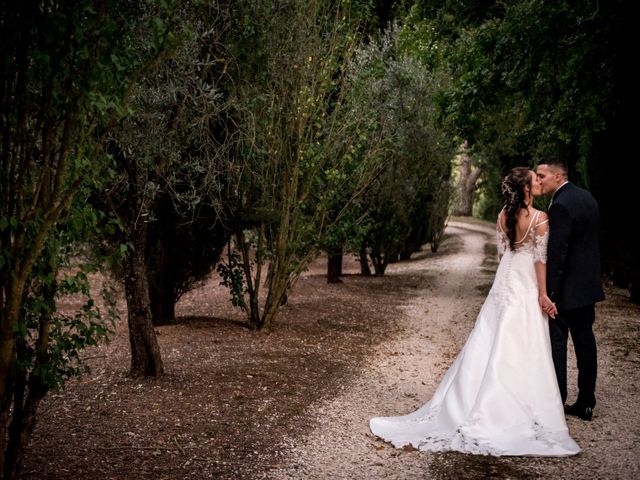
{"x":573,"y":280}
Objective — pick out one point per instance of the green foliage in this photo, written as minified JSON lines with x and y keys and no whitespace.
{"x":350,"y":230}
{"x":488,"y":203}
{"x":232,"y":274}
{"x":407,"y":204}
{"x":51,"y":337}
{"x":177,"y":183}
{"x":302,"y":148}
{"x":68,"y":68}
{"x":68,"y":336}
{"x":530,"y":78}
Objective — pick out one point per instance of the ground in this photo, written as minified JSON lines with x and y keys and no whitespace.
{"x":295,"y":403}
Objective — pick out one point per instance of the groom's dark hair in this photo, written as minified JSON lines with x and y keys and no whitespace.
{"x":555,"y":162}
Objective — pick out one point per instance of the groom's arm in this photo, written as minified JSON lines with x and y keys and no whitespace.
{"x":560,"y":222}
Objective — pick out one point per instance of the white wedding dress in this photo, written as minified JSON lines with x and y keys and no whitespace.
{"x":500,"y":396}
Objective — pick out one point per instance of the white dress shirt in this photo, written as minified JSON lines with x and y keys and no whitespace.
{"x":557,"y":190}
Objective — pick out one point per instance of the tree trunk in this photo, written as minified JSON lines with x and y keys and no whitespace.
{"x":145,"y":352}
{"x":5,"y":412}
{"x":379,"y":262}
{"x":469,"y":175}
{"x":163,"y":306}
{"x":364,"y":261}
{"x":253,"y":284}
{"x":9,"y":316}
{"x":334,"y":266}
{"x":28,"y":386}
{"x":22,"y":425}
{"x":278,"y":280}
{"x":162,"y":285}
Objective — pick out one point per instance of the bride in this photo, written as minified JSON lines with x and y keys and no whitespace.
{"x":500,"y":396}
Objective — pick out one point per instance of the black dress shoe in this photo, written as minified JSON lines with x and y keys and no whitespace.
{"x":585,"y":413}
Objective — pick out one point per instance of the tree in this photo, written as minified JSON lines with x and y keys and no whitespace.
{"x":182,"y":248}
{"x":66,"y":70}
{"x":469,"y":173}
{"x":347,"y":234}
{"x":290,"y":91}
{"x":171,"y":190}
{"x":49,"y":342}
{"x":409,"y":200}
{"x":136,"y":192}
{"x":193,"y":211}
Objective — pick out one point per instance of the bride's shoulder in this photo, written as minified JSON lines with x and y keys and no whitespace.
{"x":541,"y":215}
{"x":541,"y":222}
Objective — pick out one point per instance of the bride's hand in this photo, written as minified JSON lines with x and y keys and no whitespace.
{"x":548,"y":306}
{"x":552,"y":311}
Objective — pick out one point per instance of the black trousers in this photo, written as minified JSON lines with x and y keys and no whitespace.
{"x":578,"y":322}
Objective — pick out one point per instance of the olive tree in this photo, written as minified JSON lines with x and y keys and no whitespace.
{"x":174,"y":163}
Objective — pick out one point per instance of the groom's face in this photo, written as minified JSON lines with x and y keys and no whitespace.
{"x":549,"y":180}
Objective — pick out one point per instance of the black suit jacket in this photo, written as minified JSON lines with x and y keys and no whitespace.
{"x":573,"y":255}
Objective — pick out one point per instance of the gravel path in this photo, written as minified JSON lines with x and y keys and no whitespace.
{"x":402,"y":373}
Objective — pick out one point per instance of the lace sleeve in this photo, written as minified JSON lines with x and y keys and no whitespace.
{"x":540,"y":247}
{"x":540,"y":237}
{"x":502,"y":243}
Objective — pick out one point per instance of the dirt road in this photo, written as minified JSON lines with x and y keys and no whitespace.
{"x":400,"y":374}
{"x":295,"y":404}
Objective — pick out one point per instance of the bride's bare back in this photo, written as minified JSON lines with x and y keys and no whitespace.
{"x":525,"y":223}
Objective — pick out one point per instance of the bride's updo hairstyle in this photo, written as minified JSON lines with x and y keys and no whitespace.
{"x":513,"y":194}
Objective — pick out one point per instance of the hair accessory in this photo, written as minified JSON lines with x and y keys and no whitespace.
{"x":508,"y":191}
